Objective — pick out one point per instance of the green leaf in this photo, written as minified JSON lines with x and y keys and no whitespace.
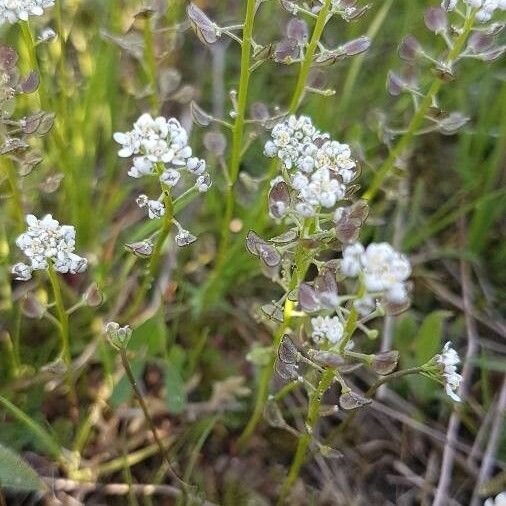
{"x":150,"y":334}
{"x":175,"y":394}
{"x":16,"y":473}
{"x":430,"y":335}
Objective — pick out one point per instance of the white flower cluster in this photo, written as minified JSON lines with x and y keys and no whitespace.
{"x":383,"y":269}
{"x":316,"y":167}
{"x":486,"y":7}
{"x":13,"y":10}
{"x":448,"y":361}
{"x":47,"y":241}
{"x":327,"y":329}
{"x":156,"y":142}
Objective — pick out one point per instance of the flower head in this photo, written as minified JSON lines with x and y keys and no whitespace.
{"x":315,"y":168}
{"x":328,"y":329}
{"x":12,"y":11}
{"x":155,"y":141}
{"x":448,"y":361}
{"x":384,"y":269}
{"x":47,"y":242}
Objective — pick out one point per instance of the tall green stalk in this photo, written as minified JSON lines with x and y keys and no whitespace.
{"x":237,"y":129}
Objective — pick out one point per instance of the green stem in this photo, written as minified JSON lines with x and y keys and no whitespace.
{"x":12,"y":179}
{"x":326,"y":380}
{"x":307,"y":62}
{"x":419,"y":116}
{"x":147,"y":416}
{"x":302,"y":263}
{"x":238,"y":128}
{"x":149,"y":56}
{"x":64,"y":329}
{"x":154,"y":260}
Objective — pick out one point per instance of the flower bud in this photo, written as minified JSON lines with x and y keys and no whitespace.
{"x":118,"y":336}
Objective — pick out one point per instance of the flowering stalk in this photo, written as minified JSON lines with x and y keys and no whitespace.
{"x":420,"y":114}
{"x":238,"y":128}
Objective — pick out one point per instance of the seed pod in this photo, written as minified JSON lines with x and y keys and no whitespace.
{"x":409,"y":48}
{"x":200,"y":116}
{"x":308,"y":298}
{"x":204,"y":28}
{"x":297,"y":29}
{"x":356,"y":46}
{"x":273,"y":312}
{"x":273,"y":415}
{"x":385,"y":362}
{"x":436,"y":19}
{"x":30,"y":83}
{"x":141,"y":249}
{"x":286,"y":51}
{"x":287,"y":351}
{"x":279,"y":200}
{"x":215,"y":142}
{"x":93,"y":296}
{"x":351,"y":400}
{"x":395,"y":84}
{"x":287,"y":371}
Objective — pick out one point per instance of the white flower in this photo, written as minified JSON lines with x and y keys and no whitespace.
{"x":351,"y":264}
{"x":203,"y":182}
{"x":386,"y":270}
{"x":322,"y":189}
{"x":47,"y":241}
{"x":156,"y":209}
{"x":315,"y":167}
{"x":448,"y":361}
{"x":155,"y":140}
{"x":326,"y":328}
{"x":170,"y":177}
{"x":449,"y":5}
{"x":13,"y":10}
{"x":500,"y":500}
{"x":21,"y":271}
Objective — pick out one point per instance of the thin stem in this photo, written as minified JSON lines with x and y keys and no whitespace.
{"x":307,"y":62}
{"x":157,"y":250}
{"x":326,"y":380}
{"x":147,"y":416}
{"x":10,"y":171}
{"x":302,"y":263}
{"x":238,"y":128}
{"x":149,"y":56}
{"x":63,"y":319}
{"x":419,"y":116}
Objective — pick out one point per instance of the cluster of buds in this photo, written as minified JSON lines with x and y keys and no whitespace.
{"x":12,"y":11}
{"x":47,"y":243}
